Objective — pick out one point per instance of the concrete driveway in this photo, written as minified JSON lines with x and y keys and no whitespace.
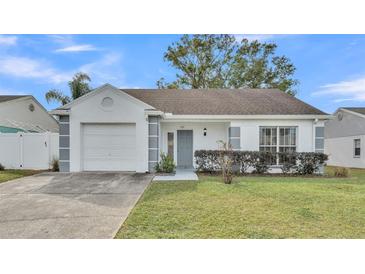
{"x":71,"y":205}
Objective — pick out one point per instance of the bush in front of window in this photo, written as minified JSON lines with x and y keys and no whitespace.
{"x":260,"y":161}
{"x":288,"y":162}
{"x":166,"y":164}
{"x":288,"y":168}
{"x":309,"y":162}
{"x":243,"y":161}
{"x":207,"y":160}
{"x":302,"y":163}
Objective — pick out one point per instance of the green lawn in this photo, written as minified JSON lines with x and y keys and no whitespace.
{"x":10,"y":174}
{"x":252,"y":207}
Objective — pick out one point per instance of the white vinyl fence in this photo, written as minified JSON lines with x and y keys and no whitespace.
{"x":28,"y":150}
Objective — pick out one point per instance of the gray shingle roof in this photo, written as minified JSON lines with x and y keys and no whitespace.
{"x":224,"y":102}
{"x":5,"y":98}
{"x":358,"y":109}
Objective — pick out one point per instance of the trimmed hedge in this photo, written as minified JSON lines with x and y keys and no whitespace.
{"x":260,"y":162}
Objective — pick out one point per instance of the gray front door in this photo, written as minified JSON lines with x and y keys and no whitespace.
{"x":185,"y":149}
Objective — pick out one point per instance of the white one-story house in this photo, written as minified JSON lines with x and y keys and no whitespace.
{"x":23,"y":113}
{"x":345,"y":137}
{"x":126,"y":129}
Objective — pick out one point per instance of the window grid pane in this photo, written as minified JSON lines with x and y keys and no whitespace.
{"x":293,"y":136}
{"x":268,"y":142}
{"x":268,"y":137}
{"x":262,"y":134}
{"x":357,"y":148}
{"x":281,"y":136}
{"x":319,"y":132}
{"x":287,"y":144}
{"x":274,"y":136}
{"x":170,"y":144}
{"x":319,"y":139}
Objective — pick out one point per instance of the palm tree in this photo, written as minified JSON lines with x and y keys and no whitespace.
{"x":78,"y":86}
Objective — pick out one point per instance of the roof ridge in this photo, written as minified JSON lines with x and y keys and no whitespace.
{"x":358,"y":110}
{"x":200,"y":89}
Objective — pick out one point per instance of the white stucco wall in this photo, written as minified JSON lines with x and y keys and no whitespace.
{"x":215,"y":132}
{"x":124,"y":110}
{"x":18,"y":111}
{"x":249,"y":133}
{"x":341,"y":151}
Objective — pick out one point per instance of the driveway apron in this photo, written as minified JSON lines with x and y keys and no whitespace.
{"x":69,"y":205}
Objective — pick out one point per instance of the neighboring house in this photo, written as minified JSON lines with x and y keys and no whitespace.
{"x":28,"y":133}
{"x":125,"y":130}
{"x":345,"y":138}
{"x":23,"y":113}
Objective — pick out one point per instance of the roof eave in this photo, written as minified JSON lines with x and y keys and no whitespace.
{"x":169,"y":116}
{"x":351,"y":111}
{"x":17,"y":98}
{"x":59,"y":112}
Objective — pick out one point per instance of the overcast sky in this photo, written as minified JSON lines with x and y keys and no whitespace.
{"x":330,"y":68}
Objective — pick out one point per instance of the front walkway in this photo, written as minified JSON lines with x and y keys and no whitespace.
{"x":180,"y":175}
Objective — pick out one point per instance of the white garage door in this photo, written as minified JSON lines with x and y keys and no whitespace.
{"x":109,"y":147}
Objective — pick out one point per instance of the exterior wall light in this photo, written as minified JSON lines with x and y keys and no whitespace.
{"x":205,"y":131}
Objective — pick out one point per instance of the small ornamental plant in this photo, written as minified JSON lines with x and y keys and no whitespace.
{"x":166,"y":164}
{"x":225,"y":159}
{"x":55,"y":165}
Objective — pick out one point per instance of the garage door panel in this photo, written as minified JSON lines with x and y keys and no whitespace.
{"x":109,"y":165}
{"x":105,"y":141}
{"x":100,"y":135}
{"x":103,"y":152}
{"x":109,"y":147}
{"x":116,"y":129}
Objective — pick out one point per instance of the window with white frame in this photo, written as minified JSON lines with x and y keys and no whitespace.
{"x":357,"y":148}
{"x":287,"y":139}
{"x":268,"y":139}
{"x":319,"y":139}
{"x":278,"y":139}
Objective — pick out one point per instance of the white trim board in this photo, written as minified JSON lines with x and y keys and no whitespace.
{"x":228,"y":118}
{"x":351,"y":112}
{"x":98,"y":90}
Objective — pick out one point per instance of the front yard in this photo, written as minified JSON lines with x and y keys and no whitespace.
{"x":252,"y":207}
{"x":11,"y":174}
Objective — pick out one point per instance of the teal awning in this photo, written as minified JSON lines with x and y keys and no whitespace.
{"x":10,"y":129}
